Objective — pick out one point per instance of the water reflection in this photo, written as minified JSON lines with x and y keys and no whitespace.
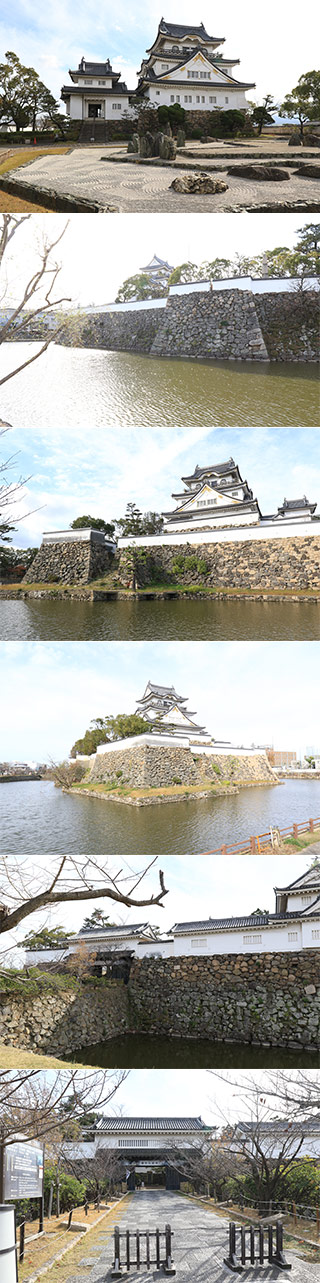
{"x":72,"y":385}
{"x":38,"y":817}
{"x":171,"y":620}
{"x":140,"y":1052}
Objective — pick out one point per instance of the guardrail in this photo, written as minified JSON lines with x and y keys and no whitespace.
{"x":257,"y":1245}
{"x":254,"y":844}
{"x":138,"y":1249}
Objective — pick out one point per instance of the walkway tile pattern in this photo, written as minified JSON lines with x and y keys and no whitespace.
{"x":199,"y":1244}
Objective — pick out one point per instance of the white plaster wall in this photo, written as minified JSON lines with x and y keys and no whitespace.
{"x":164,"y":95}
{"x":258,"y":285}
{"x":278,"y":530}
{"x":200,"y":518}
{"x":35,"y":957}
{"x":174,"y":741}
{"x":79,"y":105}
{"x":289,"y":937}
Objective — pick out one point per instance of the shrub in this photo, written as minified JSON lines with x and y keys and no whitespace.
{"x":176,"y":780}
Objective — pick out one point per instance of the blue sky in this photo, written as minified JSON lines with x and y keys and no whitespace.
{"x":245,"y":692}
{"x":53,"y":37}
{"x":69,"y":477}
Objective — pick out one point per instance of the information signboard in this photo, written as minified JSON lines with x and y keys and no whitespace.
{"x":23,"y":1170}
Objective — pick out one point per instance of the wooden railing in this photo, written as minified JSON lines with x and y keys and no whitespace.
{"x":254,"y":844}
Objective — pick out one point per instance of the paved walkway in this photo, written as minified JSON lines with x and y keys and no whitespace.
{"x":131,"y":188}
{"x":199,"y":1244}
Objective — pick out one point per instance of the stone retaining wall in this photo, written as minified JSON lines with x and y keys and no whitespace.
{"x":246,"y":998}
{"x":145,"y":766}
{"x":215,"y":326}
{"x":69,"y":562}
{"x":220,"y":325}
{"x":290,"y":325}
{"x":261,"y":999}
{"x":275,"y":564}
{"x":61,"y":1023}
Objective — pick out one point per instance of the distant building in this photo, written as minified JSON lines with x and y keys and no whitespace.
{"x":183,"y":66}
{"x":158,"y":270}
{"x":281,"y":757}
{"x":97,"y":93}
{"x":165,"y":711}
{"x":276,"y":1133}
{"x":294,"y":925}
{"x":145,"y":1145}
{"x":214,"y":495}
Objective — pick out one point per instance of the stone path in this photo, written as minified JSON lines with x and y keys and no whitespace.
{"x":199,"y":1244}
{"x":129,"y":188}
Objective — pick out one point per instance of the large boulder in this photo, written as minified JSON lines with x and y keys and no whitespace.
{"x":261,"y":173}
{"x":308,"y":171}
{"x":203,"y":183}
{"x":295,"y":140}
{"x":181,"y":138}
{"x":149,"y":138}
{"x":167,"y":148}
{"x":133,"y":144}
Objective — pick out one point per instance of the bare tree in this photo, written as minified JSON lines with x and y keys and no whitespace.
{"x":36,"y":294}
{"x":270,"y":1137}
{"x":31,"y":1101}
{"x":24,"y":891}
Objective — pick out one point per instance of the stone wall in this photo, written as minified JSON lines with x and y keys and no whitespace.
{"x":145,"y":766}
{"x":61,"y":1023}
{"x":68,"y":563}
{"x":292,"y":563}
{"x":217,"y":325}
{"x":246,"y":998}
{"x":256,"y":998}
{"x":290,"y":325}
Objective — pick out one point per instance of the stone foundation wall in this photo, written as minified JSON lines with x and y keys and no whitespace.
{"x":292,"y":563}
{"x":69,"y":562}
{"x":266,"y":998}
{"x":61,"y":1023}
{"x":217,"y":325}
{"x":146,"y":766}
{"x":290,"y":325}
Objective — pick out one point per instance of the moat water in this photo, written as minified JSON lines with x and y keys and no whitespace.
{"x":170,"y":620}
{"x":37,"y":817}
{"x":71,"y":386}
{"x":138,"y":1051}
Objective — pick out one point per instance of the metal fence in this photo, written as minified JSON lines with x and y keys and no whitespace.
{"x":133,"y":1248}
{"x":255,"y":1245}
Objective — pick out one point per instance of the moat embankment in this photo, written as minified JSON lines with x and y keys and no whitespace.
{"x":251,"y":999}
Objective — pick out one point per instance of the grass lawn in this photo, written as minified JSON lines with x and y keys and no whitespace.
{"x":42,"y":1251}
{"x":13,"y":159}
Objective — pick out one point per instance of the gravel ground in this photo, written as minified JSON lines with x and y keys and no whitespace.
{"x":129,"y":188}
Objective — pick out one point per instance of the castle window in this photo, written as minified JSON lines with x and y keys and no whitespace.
{"x":315,"y":935}
{"x":226,"y":100}
{"x":292,"y":935}
{"x":88,"y":82}
{"x":254,"y":939}
{"x":197,"y":98}
{"x":171,"y":97}
{"x":198,"y":942}
{"x":212,"y":99}
{"x":177,"y":97}
{"x":203,"y":98}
